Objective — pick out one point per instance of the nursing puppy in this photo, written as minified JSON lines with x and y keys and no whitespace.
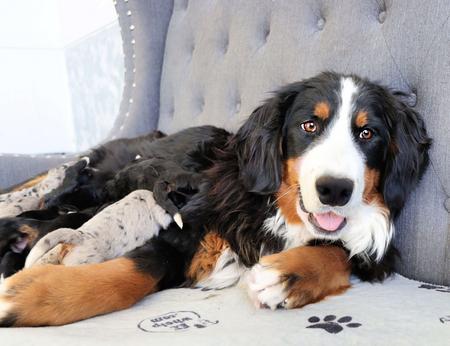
{"x":117,"y":229}
{"x":19,"y":234}
{"x":172,"y":184}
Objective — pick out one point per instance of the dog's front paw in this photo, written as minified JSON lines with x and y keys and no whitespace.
{"x":267,"y":287}
{"x":298,"y":277}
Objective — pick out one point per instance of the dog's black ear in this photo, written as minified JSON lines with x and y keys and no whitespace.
{"x":407,"y":156}
{"x":259,"y":145}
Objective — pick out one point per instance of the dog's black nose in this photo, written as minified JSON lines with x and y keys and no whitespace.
{"x":334,"y":191}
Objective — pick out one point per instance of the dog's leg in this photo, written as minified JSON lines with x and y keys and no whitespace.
{"x":55,"y":255}
{"x":299,"y":276}
{"x":57,"y":295}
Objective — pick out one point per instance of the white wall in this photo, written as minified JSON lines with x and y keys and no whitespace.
{"x":35,"y":112}
{"x":94,"y":14}
{"x":36,"y":97}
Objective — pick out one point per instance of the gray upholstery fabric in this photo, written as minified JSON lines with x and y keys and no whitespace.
{"x":144,"y":26}
{"x":18,"y":168}
{"x":223,"y":57}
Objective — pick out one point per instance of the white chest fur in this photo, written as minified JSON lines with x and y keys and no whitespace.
{"x":294,"y":235}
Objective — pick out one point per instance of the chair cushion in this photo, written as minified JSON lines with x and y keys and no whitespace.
{"x":399,"y":312}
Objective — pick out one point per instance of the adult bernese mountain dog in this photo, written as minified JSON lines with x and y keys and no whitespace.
{"x":303,"y":195}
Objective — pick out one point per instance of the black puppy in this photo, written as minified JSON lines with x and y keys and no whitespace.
{"x":19,"y":234}
{"x":172,"y":185}
{"x":150,"y":162}
{"x":83,"y":183}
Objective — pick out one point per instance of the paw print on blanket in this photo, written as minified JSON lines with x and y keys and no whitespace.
{"x":436,"y":288}
{"x":330,"y":324}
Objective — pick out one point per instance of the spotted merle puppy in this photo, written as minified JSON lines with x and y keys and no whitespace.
{"x":117,"y":229}
{"x":29,"y":196}
{"x":304,"y":194}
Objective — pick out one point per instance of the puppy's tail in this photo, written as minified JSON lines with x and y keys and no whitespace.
{"x":47,"y":243}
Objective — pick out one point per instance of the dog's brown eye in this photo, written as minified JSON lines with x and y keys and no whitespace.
{"x":366,"y":134}
{"x":309,"y":126}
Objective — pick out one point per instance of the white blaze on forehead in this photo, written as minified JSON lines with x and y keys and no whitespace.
{"x":348,"y":90}
{"x":338,"y":145}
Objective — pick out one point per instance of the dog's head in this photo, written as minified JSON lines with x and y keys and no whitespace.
{"x":341,"y":155}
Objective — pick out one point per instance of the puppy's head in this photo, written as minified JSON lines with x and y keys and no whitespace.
{"x":340,"y":153}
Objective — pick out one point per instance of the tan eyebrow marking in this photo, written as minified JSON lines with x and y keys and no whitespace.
{"x":322,"y":110}
{"x":361,"y":119}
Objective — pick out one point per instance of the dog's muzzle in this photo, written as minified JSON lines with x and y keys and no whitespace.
{"x":325,"y":223}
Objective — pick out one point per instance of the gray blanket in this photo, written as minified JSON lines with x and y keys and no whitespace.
{"x":397,"y":312}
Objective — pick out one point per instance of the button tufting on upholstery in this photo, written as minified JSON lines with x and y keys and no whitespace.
{"x":225,"y":44}
{"x":169,"y":111}
{"x":447,"y":204}
{"x":382,"y":17}
{"x":412,"y":99}
{"x":201,"y":105}
{"x":266,"y":32}
{"x":321,"y":23}
{"x":237,"y":107}
{"x":132,"y":27}
{"x":184,"y":4}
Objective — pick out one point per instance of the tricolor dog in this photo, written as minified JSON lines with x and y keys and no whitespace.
{"x":301,"y":196}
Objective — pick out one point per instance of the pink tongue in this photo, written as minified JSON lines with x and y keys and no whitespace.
{"x":329,"y":221}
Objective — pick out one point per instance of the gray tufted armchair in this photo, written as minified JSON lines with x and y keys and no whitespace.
{"x":212,"y":62}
